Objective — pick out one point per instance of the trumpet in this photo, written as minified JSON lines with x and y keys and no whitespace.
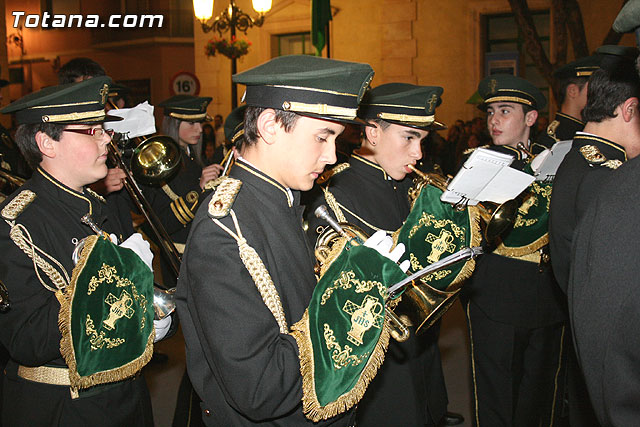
{"x":423,"y":305}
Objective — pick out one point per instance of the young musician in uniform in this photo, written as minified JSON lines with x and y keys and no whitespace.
{"x":513,"y":308}
{"x":176,"y":201}
{"x":371,"y":192}
{"x":247,"y":272}
{"x":62,"y":138}
{"x":572,"y":79}
{"x":610,"y":137}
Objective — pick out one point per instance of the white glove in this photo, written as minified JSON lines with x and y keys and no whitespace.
{"x":383,"y":243}
{"x":141,"y":247}
{"x":162,"y":327}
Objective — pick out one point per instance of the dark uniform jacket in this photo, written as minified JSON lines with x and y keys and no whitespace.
{"x":29,"y":330}
{"x":604,"y":297}
{"x":409,"y":389}
{"x":576,"y":184}
{"x":513,"y":291}
{"x":176,"y":202}
{"x":562,"y":128}
{"x":243,"y":368}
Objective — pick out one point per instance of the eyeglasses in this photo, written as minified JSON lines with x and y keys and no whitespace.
{"x":97,"y":133}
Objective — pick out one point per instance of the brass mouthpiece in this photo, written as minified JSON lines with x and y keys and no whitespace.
{"x":417,"y":172}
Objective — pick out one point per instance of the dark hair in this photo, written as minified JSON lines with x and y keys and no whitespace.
{"x":564,"y":84}
{"x":79,"y":67}
{"x":26,"y":140}
{"x":171,"y":127}
{"x":609,"y":89}
{"x":287,"y":119}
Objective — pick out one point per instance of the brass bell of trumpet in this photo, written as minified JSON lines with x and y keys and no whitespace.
{"x":155,"y":160}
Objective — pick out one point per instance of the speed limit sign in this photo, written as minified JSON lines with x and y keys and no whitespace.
{"x":184,"y":83}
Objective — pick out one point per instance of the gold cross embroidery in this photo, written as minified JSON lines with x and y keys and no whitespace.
{"x":493,"y":85}
{"x":120,"y":307}
{"x":439,"y":245}
{"x":432,"y":102}
{"x":104,"y":92}
{"x":363,"y":317}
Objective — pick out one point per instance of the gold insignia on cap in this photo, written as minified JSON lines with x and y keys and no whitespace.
{"x":493,"y":86}
{"x":223,"y":198}
{"x":432,"y":102}
{"x":104,"y":93}
{"x":18,"y":204}
{"x":592,"y":154}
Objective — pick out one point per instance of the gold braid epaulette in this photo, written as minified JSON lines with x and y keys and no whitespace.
{"x":551,"y":130}
{"x":96,"y":195}
{"x":327,"y":175}
{"x":471,"y":150}
{"x":594,"y":157}
{"x":18,"y":204}
{"x":224,"y":196}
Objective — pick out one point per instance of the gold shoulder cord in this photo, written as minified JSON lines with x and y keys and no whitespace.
{"x":21,"y":237}
{"x":258,"y":272}
{"x":169,"y":192}
{"x":551,"y":130}
{"x":334,"y":205}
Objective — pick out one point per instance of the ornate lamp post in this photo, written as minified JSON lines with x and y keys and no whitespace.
{"x":232,"y":19}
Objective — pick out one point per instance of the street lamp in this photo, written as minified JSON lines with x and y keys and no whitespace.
{"x":232,"y":19}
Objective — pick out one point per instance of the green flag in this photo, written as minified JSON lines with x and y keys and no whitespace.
{"x":320,"y":17}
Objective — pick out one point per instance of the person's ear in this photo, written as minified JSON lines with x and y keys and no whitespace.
{"x":629,"y":109}
{"x":531,"y":117}
{"x":373,"y":133}
{"x":572,"y":90}
{"x":268,"y":126}
{"x":46,"y":144}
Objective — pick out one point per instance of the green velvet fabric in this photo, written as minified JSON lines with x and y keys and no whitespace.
{"x":111,"y":313}
{"x":346,"y":317}
{"x":532,"y":220}
{"x":434,"y":230}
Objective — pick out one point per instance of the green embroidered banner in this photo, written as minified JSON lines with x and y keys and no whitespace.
{"x":530,"y":230}
{"x":343,"y":334}
{"x":106,"y":315}
{"x":434,"y":230}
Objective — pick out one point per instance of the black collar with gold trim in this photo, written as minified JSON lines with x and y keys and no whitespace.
{"x":507,"y":149}
{"x":82,"y":203}
{"x":368,"y":167}
{"x":560,"y":116}
{"x":610,"y":149}
{"x":271,"y":188}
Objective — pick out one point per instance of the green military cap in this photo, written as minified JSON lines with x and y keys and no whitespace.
{"x":234,"y":124}
{"x":81,"y":102}
{"x":629,"y":17}
{"x":508,"y":88}
{"x":117,"y":89}
{"x":187,"y":107}
{"x":582,"y":67}
{"x":308,"y":85}
{"x":614,"y":56}
{"x":403,"y":104}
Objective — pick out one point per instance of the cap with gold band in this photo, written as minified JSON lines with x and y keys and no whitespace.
{"x":582,"y":67}
{"x":403,"y":104}
{"x":308,"y":85}
{"x":187,"y":108}
{"x":508,"y":88}
{"x":234,"y":124}
{"x":81,"y":102}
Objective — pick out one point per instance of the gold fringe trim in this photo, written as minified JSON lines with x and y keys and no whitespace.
{"x":66,"y":343}
{"x":169,"y":192}
{"x":520,"y":251}
{"x":327,"y":175}
{"x":96,"y":195}
{"x":310,"y":405}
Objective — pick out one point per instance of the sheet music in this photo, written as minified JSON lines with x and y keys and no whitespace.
{"x":546,"y":164}
{"x":486,"y":176}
